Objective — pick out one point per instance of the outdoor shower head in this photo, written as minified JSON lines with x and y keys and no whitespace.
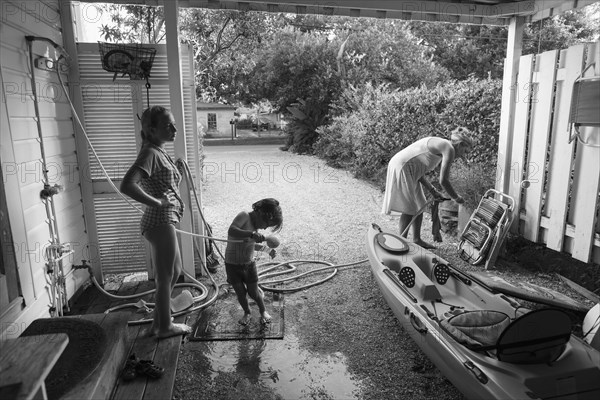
{"x":61,"y":50}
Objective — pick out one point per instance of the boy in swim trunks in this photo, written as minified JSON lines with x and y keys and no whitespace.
{"x":240,"y":266}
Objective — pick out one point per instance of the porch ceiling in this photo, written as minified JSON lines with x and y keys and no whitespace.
{"x":480,"y":12}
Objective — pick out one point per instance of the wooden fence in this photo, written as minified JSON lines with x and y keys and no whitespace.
{"x":555,"y":180}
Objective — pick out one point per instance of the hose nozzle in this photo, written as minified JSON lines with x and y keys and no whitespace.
{"x":272,"y":241}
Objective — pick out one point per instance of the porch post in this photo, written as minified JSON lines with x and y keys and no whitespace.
{"x":71,"y":26}
{"x":514,"y":49}
{"x":171,"y":8}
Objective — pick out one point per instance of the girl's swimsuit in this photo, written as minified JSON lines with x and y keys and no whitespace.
{"x":163,"y":178}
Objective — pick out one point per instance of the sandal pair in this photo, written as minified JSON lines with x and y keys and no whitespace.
{"x":148,"y":368}
{"x":129,"y":372}
{"x":134,"y":367}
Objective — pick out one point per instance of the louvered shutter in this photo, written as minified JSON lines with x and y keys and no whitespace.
{"x":111,"y":109}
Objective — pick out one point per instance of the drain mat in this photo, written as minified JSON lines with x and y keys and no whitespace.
{"x":220,"y":321}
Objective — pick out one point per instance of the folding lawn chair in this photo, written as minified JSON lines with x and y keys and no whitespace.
{"x":487,"y":226}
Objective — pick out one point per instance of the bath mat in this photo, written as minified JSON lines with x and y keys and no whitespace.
{"x":220,"y":321}
{"x":87,"y":343}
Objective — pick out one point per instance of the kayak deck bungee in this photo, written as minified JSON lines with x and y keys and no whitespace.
{"x":484,"y":342}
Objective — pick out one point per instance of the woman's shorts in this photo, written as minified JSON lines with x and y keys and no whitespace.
{"x":154,"y":217}
{"x":246,"y":273}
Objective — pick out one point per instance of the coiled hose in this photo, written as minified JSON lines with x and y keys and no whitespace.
{"x":203,"y":299}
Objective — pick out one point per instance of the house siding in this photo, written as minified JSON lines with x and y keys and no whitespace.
{"x":22,"y":158}
{"x":224,"y":116}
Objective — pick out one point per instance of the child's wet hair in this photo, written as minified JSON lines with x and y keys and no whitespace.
{"x":271,"y":211}
{"x":150,"y":118}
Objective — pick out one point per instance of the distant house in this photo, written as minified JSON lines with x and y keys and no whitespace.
{"x":215,"y":118}
{"x":267,"y":118}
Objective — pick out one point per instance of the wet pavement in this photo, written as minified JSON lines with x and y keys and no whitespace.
{"x":281,"y":365}
{"x":284,"y":366}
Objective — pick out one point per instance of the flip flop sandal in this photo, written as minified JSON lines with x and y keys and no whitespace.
{"x":129,"y":371}
{"x":148,"y":368}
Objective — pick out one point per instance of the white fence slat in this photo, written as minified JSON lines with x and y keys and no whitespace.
{"x":585,"y":188}
{"x":521,"y":121}
{"x":561,"y":152}
{"x":507,"y":110}
{"x":539,"y":135}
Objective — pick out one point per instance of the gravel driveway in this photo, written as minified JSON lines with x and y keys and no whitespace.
{"x":326,"y":214}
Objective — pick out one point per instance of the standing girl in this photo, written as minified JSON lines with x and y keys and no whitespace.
{"x":153,"y":180}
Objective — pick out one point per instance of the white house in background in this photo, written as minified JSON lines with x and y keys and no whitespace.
{"x":214,"y":118}
{"x":260,"y":115}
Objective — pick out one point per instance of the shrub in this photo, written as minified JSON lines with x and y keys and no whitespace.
{"x":372,"y":123}
{"x":244,"y":123}
{"x":475,"y":104}
{"x":472,"y":180}
{"x":337,"y":141}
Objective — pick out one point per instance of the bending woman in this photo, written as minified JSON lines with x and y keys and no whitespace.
{"x":153,"y":180}
{"x":406,"y":177}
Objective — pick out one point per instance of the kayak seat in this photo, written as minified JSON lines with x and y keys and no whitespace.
{"x":476,"y":329}
{"x":538,"y":337}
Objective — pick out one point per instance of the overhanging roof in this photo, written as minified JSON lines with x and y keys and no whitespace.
{"x":480,"y":12}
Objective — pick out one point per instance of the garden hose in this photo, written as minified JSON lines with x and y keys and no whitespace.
{"x":195,"y":283}
{"x":264,"y":274}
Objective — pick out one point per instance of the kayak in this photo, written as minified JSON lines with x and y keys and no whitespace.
{"x":483,"y":341}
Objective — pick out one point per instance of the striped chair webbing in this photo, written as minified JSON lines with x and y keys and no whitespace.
{"x":476,"y":234}
{"x":489,"y":212}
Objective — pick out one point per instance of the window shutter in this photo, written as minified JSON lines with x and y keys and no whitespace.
{"x":111,"y":109}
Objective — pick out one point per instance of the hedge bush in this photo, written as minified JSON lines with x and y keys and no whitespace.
{"x":374,"y":123}
{"x":471,"y":180}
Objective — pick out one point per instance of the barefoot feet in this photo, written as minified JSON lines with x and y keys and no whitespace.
{"x":245,"y":319}
{"x":265,"y":318}
{"x":174,"y":330}
{"x":154,"y":328}
{"x":424,"y":244}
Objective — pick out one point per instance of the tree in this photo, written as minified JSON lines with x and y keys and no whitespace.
{"x":475,"y":50}
{"x":134,"y":24}
{"x":223,"y":43}
{"x":383,"y":52}
{"x":218,"y":38}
